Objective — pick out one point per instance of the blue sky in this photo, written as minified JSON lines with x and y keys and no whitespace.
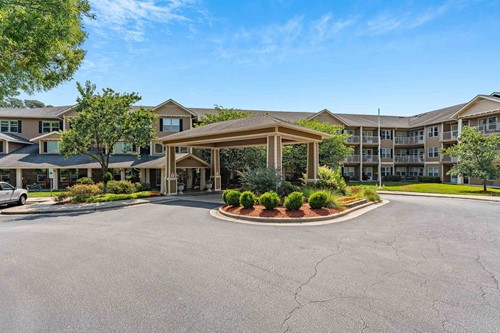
{"x":403,"y":56}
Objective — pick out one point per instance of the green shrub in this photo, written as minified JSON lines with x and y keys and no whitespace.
{"x":331,"y":179}
{"x":247,"y":199}
{"x":428,"y":179}
{"x":233,"y":198}
{"x":261,"y":180}
{"x":331,"y":201}
{"x":224,"y":193}
{"x":121,"y":187}
{"x":294,"y":201}
{"x":85,"y":181}
{"x":62,"y":197}
{"x":270,"y":200}
{"x":79,"y":193}
{"x":307,"y":191}
{"x":370,"y":193}
{"x":393,"y":178}
{"x":141,"y":187}
{"x":108,"y":176}
{"x":115,"y":197}
{"x":318,"y":200}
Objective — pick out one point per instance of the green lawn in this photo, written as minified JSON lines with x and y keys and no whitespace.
{"x":433,"y":188}
{"x":43,"y":194}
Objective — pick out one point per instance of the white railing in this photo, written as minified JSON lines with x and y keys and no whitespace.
{"x":352,"y":159}
{"x":408,"y":159}
{"x":370,"y":139}
{"x":409,"y":140}
{"x":490,"y":128}
{"x":453,"y":135}
{"x":446,"y":158}
{"x":352,"y":139}
{"x":370,"y":159}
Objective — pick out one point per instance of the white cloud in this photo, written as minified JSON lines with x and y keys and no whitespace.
{"x":129,"y":18}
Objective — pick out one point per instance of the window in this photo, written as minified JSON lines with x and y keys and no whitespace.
{"x":492,"y":123}
{"x":433,"y":171}
{"x":122,"y":148}
{"x":159,"y":148}
{"x":11,"y":126}
{"x":386,"y":153}
{"x":349,"y":171}
{"x":51,"y":147}
{"x":400,"y":171}
{"x":432,"y":131}
{"x":386,"y":171}
{"x":416,"y":172}
{"x":41,"y":177}
{"x":158,"y":177}
{"x":181,"y":150}
{"x":6,"y":187}
{"x":386,"y":134}
{"x":50,"y":126}
{"x":170,"y":124}
{"x":433,"y":152}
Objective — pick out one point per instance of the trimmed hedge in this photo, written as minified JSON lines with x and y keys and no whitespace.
{"x":429,"y":179}
{"x":85,"y":181}
{"x":121,"y":187}
{"x":393,"y":178}
{"x":232,"y":197}
{"x":270,"y":200}
{"x":141,"y":187}
{"x":318,"y":200}
{"x":294,"y":201}
{"x":247,"y":199}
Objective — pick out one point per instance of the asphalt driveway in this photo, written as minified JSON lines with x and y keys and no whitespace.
{"x":413,"y":265}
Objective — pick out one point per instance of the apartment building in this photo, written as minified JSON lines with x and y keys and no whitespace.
{"x":29,"y":144}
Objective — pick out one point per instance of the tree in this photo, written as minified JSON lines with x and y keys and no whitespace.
{"x":235,"y":159}
{"x":102,"y":121}
{"x":477,"y":155}
{"x":19,"y":104}
{"x":332,"y":152}
{"x":40,"y":43}
{"x":33,"y":104}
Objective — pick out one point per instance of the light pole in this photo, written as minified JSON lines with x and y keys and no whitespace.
{"x":379,"y":154}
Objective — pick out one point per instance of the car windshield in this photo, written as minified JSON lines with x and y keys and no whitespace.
{"x":6,"y":187}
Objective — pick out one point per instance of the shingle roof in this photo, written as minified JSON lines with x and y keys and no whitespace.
{"x":231,"y":126}
{"x":291,"y":116}
{"x":435,"y":117}
{"x":38,"y":113}
{"x":14,"y":138}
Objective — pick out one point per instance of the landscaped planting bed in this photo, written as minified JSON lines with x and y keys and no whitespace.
{"x":281,"y":212}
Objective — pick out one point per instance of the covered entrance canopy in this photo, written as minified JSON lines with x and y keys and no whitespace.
{"x":259,"y":130}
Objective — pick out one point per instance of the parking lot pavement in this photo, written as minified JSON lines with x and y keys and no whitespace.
{"x":413,"y":265}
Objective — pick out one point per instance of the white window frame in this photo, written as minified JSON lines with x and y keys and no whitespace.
{"x":385,"y":134}
{"x":433,"y":151}
{"x":433,"y":131}
{"x":433,"y":171}
{"x":385,"y":153}
{"x":119,"y":148}
{"x":55,"y":150}
{"x":169,"y":126}
{"x":50,"y":126}
{"x":10,"y":124}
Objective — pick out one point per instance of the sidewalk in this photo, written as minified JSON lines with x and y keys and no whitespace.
{"x":437,"y":195}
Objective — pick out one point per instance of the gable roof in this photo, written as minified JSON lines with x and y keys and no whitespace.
{"x":36,"y":113}
{"x":14,"y":138}
{"x":291,"y":116}
{"x":493,"y":97}
{"x":168,"y":101}
{"x":45,"y":135}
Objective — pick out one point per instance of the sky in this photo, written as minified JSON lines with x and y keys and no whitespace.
{"x":404,"y":57}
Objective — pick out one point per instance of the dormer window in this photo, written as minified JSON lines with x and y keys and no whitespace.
{"x":49,"y":126}
{"x":123,"y":148}
{"x":51,"y":147}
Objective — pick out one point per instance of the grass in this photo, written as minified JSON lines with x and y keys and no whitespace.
{"x":441,"y":189}
{"x":116,"y":197}
{"x":43,"y":194}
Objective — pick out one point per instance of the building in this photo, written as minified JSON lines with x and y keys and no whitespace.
{"x":29,"y":144}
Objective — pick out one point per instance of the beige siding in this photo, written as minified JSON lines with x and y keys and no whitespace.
{"x":480,"y":106}
{"x":327,"y":118}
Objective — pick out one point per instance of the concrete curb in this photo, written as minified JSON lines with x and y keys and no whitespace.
{"x":83,"y":208}
{"x":323,"y":220}
{"x":437,"y":195}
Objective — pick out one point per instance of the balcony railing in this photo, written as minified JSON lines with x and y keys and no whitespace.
{"x":448,"y":136}
{"x":410,"y":159}
{"x":446,"y":158}
{"x":409,"y":140}
{"x":352,"y":159}
{"x":370,"y":139}
{"x":352,"y":139}
{"x":370,"y":159}
{"x":490,"y":128}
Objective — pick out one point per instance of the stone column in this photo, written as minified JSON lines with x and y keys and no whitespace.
{"x":142,"y":175}
{"x":55,"y":181}
{"x":312,"y":162}
{"x":122,"y":174}
{"x":215,"y":169}
{"x":170,"y":171}
{"x":89,"y":172}
{"x":203,"y":179}
{"x":19,"y":178}
{"x":274,"y":153}
{"x":189,"y":178}
{"x":147,"y":176}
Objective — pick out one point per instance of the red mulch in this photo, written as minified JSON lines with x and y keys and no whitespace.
{"x":260,"y":211}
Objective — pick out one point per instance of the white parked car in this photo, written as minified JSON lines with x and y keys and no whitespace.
{"x":11,"y":195}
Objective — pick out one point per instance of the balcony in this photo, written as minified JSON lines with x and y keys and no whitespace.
{"x":352,"y":139}
{"x":370,"y":159}
{"x":449,"y":159}
{"x":410,"y":140}
{"x":352,"y":159}
{"x":409,"y":159}
{"x":489,"y":129}
{"x":370,"y":140}
{"x":450,"y":136}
